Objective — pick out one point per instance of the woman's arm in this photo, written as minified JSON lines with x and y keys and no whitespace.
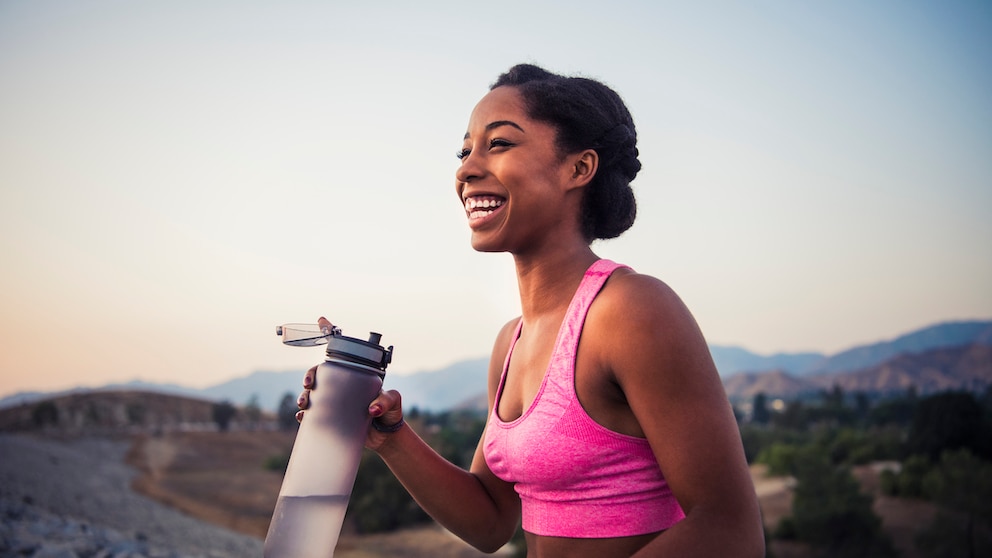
{"x":475,"y":505}
{"x":658,"y":357}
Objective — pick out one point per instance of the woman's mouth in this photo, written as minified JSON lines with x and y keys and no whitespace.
{"x":478,"y":207}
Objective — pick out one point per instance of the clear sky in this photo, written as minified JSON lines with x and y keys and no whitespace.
{"x":177,"y":178}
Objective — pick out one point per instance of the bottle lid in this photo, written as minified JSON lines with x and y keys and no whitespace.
{"x":367,"y":353}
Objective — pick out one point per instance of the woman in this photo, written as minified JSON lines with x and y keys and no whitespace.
{"x":609,"y":432}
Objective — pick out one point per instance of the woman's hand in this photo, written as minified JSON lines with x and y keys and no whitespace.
{"x":386,"y":409}
{"x":387,"y":418}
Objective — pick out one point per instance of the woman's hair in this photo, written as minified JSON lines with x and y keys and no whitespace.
{"x":587,"y":115}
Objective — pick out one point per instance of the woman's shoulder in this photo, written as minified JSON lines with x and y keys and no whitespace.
{"x":637,"y":306}
{"x":629,"y":291}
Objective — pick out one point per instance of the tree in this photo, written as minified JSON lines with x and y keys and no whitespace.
{"x":946,"y":421}
{"x":287,"y":412}
{"x":962,"y":485}
{"x":831,"y":514}
{"x":223,"y":412}
{"x":45,"y":414}
{"x":759,"y":413}
{"x":253,"y":411}
{"x":793,"y":417}
{"x":378,"y":501}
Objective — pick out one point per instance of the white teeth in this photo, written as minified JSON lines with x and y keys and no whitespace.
{"x":474,"y":203}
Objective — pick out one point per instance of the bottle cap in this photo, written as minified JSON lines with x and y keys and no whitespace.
{"x":367,"y":353}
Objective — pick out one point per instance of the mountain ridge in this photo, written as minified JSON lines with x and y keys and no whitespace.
{"x":967,"y":367}
{"x":457,"y":384}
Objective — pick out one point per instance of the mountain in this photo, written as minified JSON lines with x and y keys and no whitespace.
{"x":943,"y":369}
{"x":946,"y":368}
{"x":463,"y":383}
{"x":734,"y":360}
{"x":951,"y":334}
{"x":267,"y":387}
{"x":444,"y":389}
{"x":773,"y":383}
{"x":433,"y":390}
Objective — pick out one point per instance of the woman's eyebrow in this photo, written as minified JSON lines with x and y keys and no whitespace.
{"x":499,"y":123}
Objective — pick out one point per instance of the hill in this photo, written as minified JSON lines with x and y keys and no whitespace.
{"x":463,"y":383}
{"x":951,"y":334}
{"x":950,"y":368}
{"x":112,"y":411}
{"x":735,"y":360}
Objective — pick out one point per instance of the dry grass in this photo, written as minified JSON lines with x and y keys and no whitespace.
{"x":220,"y":477}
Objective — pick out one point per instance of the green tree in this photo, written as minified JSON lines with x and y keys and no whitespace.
{"x":794,"y":417}
{"x":946,"y":421}
{"x":759,"y":409}
{"x":45,"y":414}
{"x":781,"y":458}
{"x":223,"y":413}
{"x":253,"y":411}
{"x":831,"y":514}
{"x":962,"y":485}
{"x":898,"y":411}
{"x":909,"y":482}
{"x":378,"y":501}
{"x":287,"y":412}
{"x":136,"y":413}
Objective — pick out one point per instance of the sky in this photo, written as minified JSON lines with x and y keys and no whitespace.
{"x":178,"y":178}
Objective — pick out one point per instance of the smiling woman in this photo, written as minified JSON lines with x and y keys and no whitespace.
{"x":609,"y":433}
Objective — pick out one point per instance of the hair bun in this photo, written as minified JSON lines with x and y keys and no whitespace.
{"x":618,"y":147}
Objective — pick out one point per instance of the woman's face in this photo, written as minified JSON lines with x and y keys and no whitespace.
{"x":517,"y":191}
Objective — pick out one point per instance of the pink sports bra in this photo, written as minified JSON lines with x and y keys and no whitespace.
{"x":575,"y":477}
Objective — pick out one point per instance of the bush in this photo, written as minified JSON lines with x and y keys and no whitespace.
{"x":947,"y":421}
{"x":45,"y":414}
{"x":780,"y":458}
{"x":378,"y":501}
{"x":223,"y":413}
{"x":962,"y":485}
{"x":278,"y":463}
{"x":830,"y":513}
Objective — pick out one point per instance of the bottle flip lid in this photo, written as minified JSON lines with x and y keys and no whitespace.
{"x":339,"y":347}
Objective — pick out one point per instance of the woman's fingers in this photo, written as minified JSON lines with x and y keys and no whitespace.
{"x":310,"y":378}
{"x":303,"y":401}
{"x":388,"y":405}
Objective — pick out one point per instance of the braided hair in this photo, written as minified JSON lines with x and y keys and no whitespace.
{"x":587,"y":115}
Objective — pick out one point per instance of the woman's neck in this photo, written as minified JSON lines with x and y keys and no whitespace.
{"x":547,"y":283}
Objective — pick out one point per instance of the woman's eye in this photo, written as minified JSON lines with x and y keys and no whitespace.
{"x":497,"y":142}
{"x":462,"y":153}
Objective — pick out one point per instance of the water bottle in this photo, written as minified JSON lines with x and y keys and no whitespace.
{"x":314,"y":495}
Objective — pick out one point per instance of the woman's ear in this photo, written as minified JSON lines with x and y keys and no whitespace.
{"x":585,"y":165}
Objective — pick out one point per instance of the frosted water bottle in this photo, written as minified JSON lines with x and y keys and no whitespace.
{"x":310,"y":510}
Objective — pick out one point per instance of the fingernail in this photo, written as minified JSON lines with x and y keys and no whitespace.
{"x":307,"y":380}
{"x":375,"y":410}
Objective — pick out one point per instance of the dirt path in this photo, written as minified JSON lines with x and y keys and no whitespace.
{"x":86,"y":479}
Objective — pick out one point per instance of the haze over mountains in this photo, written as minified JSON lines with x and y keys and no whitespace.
{"x":954,"y":355}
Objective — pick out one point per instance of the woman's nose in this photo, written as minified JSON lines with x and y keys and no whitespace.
{"x":470,"y":169}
